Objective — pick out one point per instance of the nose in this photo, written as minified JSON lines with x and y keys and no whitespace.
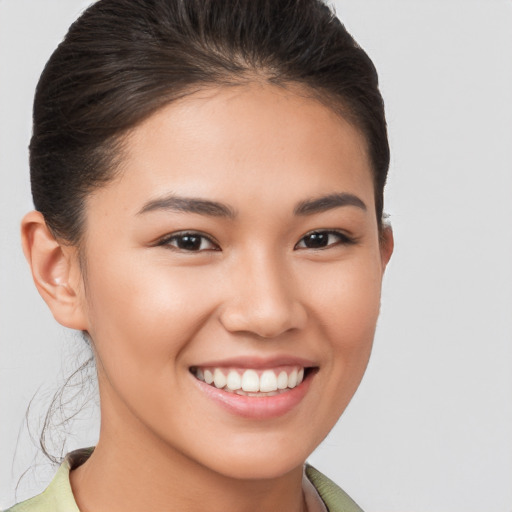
{"x":263,"y":299}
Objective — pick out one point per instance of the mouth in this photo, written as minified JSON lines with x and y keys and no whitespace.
{"x":253,"y":382}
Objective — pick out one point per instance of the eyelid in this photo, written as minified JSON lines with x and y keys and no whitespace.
{"x":164,"y":241}
{"x":344,"y":238}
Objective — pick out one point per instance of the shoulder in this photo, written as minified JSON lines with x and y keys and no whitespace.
{"x":58,"y":496}
{"x":39,"y":503}
{"x":335,"y":498}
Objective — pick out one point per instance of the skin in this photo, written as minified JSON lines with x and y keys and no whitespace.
{"x":154,"y":310}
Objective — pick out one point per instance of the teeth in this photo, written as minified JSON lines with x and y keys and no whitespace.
{"x":250,"y":383}
{"x":271,"y":393}
{"x":292,"y":379}
{"x":234,"y":380}
{"x":219,"y":379}
{"x":282,"y":380}
{"x":208,"y":376}
{"x":268,"y":381}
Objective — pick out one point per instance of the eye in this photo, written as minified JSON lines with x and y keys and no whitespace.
{"x":323,"y":239}
{"x":189,"y":242}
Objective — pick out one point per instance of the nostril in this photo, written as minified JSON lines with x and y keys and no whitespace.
{"x":266,"y":322}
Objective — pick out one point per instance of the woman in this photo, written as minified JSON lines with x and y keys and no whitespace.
{"x":208,"y":181}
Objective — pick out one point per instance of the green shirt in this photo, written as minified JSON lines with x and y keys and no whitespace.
{"x":58,"y":496}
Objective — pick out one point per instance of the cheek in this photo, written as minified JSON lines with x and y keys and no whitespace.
{"x":347,"y":303}
{"x":140,"y":315}
{"x":140,"y":323}
{"x":344,"y":300}
{"x":348,"y":298}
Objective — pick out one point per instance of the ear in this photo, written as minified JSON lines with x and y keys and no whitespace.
{"x":55,"y":270}
{"x":387,"y":244}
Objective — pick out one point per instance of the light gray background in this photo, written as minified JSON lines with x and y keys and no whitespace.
{"x":431,"y":427}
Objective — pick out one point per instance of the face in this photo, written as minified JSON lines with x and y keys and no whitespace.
{"x":238,"y":244}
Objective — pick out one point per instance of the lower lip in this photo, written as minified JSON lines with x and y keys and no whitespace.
{"x":260,"y":408}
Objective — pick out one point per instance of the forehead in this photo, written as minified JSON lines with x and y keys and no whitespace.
{"x":232,"y":142}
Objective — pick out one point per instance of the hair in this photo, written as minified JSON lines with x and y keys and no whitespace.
{"x":124,"y":59}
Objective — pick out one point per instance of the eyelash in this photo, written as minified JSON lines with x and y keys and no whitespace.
{"x":342,"y":239}
{"x":166,"y":241}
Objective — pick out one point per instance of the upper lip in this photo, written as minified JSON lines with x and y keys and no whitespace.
{"x":257,"y":362}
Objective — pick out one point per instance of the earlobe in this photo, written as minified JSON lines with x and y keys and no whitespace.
{"x":55,"y":270}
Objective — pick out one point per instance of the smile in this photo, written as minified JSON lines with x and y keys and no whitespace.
{"x":251,"y":382}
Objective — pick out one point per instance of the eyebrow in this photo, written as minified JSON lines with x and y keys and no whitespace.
{"x":215,"y":209}
{"x":189,"y":205}
{"x":322,"y":204}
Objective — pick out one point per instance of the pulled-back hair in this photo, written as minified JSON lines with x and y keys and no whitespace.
{"x":124,"y":59}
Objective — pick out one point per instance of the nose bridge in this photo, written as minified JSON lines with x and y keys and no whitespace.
{"x":263,"y":299}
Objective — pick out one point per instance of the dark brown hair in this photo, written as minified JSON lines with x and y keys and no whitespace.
{"x":124,"y":59}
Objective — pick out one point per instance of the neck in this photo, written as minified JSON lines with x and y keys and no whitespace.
{"x":137,"y":472}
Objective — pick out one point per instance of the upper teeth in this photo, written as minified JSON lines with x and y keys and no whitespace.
{"x":251,"y":381}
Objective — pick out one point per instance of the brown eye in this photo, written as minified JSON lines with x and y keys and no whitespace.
{"x":322,"y":240}
{"x":189,"y":242}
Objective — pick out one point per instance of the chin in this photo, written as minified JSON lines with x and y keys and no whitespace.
{"x":261,"y":459}
{"x":260,"y":468}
